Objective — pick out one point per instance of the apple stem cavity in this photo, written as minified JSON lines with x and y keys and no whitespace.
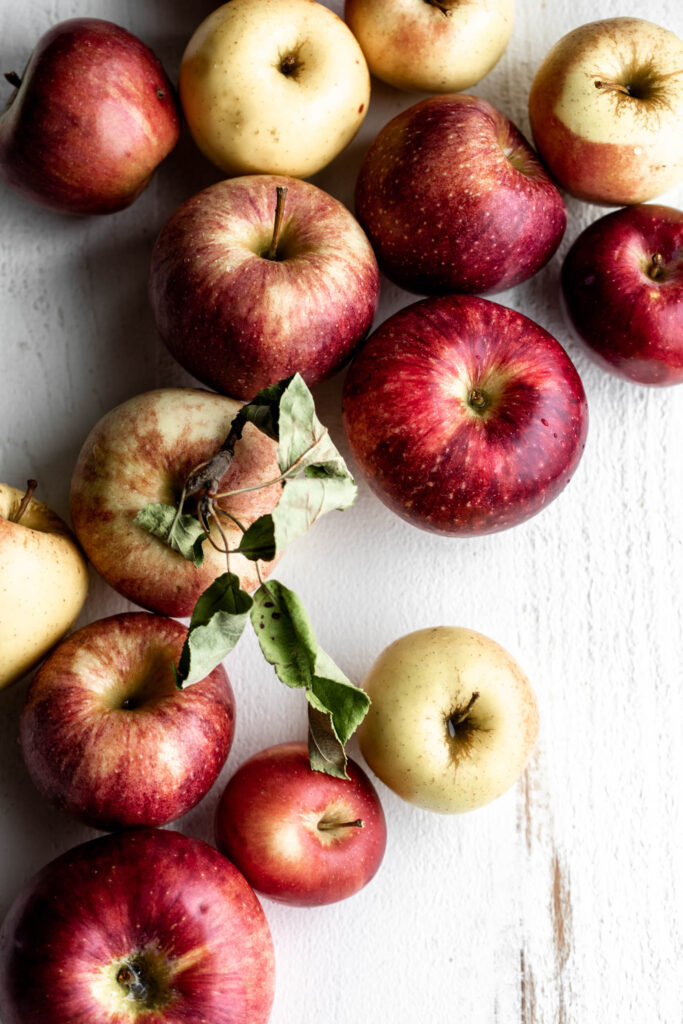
{"x":330,"y":826}
{"x":134,"y":982}
{"x":30,"y":488}
{"x":281,"y":192}
{"x":13,"y":79}
{"x":477,"y":400}
{"x":458,"y":717}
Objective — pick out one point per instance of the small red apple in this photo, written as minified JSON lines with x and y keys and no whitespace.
{"x":622,"y":282}
{"x":454,"y":199}
{"x":146,"y":925}
{"x":107,"y":735}
{"x":92,"y":116}
{"x":465,"y":417}
{"x":297,"y":835}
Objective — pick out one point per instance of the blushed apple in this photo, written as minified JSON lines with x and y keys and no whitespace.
{"x":622,"y":282}
{"x":43,"y":580}
{"x":91,"y":118}
{"x":453,"y":199}
{"x":464,"y":417}
{"x":260,"y":277}
{"x":606,"y":106}
{"x":453,"y":719}
{"x":431,"y":45}
{"x":107,"y":735}
{"x":141,"y":925}
{"x":142,"y":452}
{"x":273,"y":86}
{"x":297,"y":835}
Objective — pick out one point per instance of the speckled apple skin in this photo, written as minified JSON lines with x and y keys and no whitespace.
{"x":415,"y":685}
{"x":266,"y":823}
{"x":631,"y":323}
{"x":94,"y":116}
{"x":454,"y":199}
{"x":113,"y":766}
{"x":238,"y":321}
{"x":143,"y":451}
{"x":603,"y":146}
{"x":148,"y":890}
{"x":419,"y":446}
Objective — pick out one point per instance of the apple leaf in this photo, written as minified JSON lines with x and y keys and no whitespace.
{"x":263,"y":410}
{"x":303,"y":442}
{"x":217,"y":622}
{"x":183,"y":533}
{"x":287,"y":640}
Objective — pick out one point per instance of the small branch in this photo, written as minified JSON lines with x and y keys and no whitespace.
{"x":30,"y":488}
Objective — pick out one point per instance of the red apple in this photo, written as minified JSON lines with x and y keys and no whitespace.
{"x":464,"y":416}
{"x":143,"y":925}
{"x":240,"y":308}
{"x":297,"y":835}
{"x":107,"y":735}
{"x":622,"y":282}
{"x":93,"y":115}
{"x":606,"y":107}
{"x":454,"y":199}
{"x":142,"y":452}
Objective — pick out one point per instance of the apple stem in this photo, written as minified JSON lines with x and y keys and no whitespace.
{"x":13,"y":79}
{"x":330,"y":826}
{"x":655,"y":269}
{"x":30,"y":488}
{"x":440,"y":6}
{"x":458,"y":717}
{"x":281,"y":192}
{"x":613,"y":87}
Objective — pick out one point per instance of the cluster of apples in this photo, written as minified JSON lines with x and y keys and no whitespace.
{"x":464,"y":416}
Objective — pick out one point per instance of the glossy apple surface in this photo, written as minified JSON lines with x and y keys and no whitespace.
{"x":43,"y":581}
{"x":453,"y":719}
{"x":141,"y":925}
{"x":273,"y":86}
{"x":606,"y":106}
{"x":297,"y":835}
{"x":453,"y":199}
{"x":431,"y":45}
{"x":143,"y":451}
{"x":237,"y":316}
{"x":465,"y":417}
{"x":107,"y":735}
{"x":92,"y":118}
{"x":622,"y":282}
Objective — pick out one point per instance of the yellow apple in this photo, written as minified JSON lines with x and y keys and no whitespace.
{"x":273,"y":86}
{"x":43,"y":581}
{"x":431,"y":45}
{"x":453,"y":719}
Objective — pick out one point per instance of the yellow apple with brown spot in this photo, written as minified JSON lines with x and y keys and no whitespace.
{"x":43,"y":581}
{"x":453,"y":719}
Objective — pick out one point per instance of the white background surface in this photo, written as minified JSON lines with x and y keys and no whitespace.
{"x":562,"y":901}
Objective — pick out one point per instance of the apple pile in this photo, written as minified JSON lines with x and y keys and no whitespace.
{"x":464,"y":416}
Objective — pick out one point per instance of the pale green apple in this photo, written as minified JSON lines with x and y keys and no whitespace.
{"x":453,"y":719}
{"x":43,"y":582}
{"x":273,"y":86}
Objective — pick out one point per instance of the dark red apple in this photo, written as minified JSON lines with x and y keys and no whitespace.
{"x":297,"y":835}
{"x":464,"y":416}
{"x":242,"y":303}
{"x":622,"y":282}
{"x":147,"y":925}
{"x":107,"y":735}
{"x":93,"y":115}
{"x":454,"y":199}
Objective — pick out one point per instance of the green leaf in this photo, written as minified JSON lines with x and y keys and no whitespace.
{"x":217,"y":622}
{"x":301,"y":503}
{"x":288,"y":642}
{"x":303,"y":441}
{"x":264,"y":409}
{"x":182,"y":533}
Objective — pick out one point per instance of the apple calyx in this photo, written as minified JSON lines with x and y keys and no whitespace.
{"x":478,"y":401}
{"x":281,"y":193}
{"x":655,"y":268}
{"x":457,"y":717}
{"x":140,"y":983}
{"x":24,"y":503}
